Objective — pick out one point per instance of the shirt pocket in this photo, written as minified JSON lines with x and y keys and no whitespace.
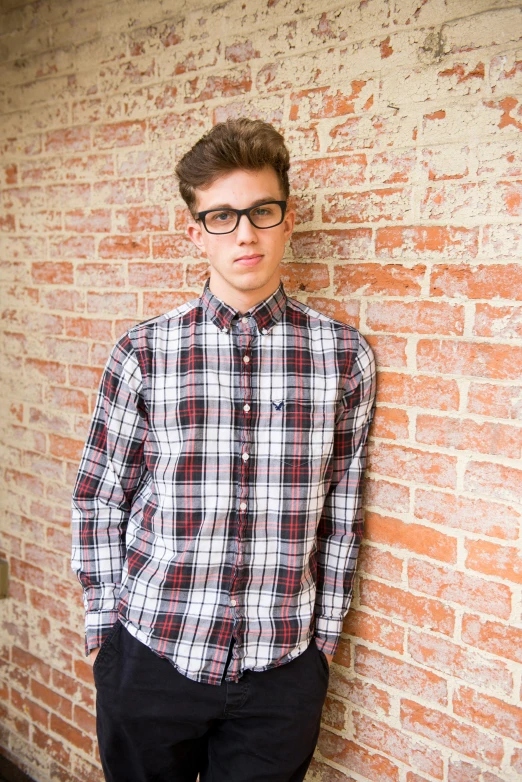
{"x":293,"y":431}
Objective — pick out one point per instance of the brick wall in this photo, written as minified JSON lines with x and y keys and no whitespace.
{"x":404,"y":118}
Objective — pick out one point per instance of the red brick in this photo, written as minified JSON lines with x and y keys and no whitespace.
{"x":419,"y":466}
{"x":28,"y":662}
{"x":496,"y":401}
{"x":88,"y":220}
{"x":473,"y":515}
{"x":501,"y":640}
{"x":51,"y":699}
{"x":460,"y":662}
{"x":390,"y":351}
{"x":335,"y":172}
{"x":87,"y":328}
{"x":159,"y":302}
{"x":151,"y":275}
{"x":71,"y":734}
{"x":68,"y":196}
{"x":502,"y":241}
{"x":321,"y":102}
{"x":308,"y":277}
{"x":495,"y":560}
{"x":418,"y":391}
{"x":478,"y":281}
{"x":344,"y":311}
{"x":66,"y":350}
{"x":84,"y":720}
{"x":112,"y":303}
{"x":390,"y":423}
{"x":67,"y":139}
{"x":334,"y":713}
{"x":35,"y":712}
{"x":452,"y":733}
{"x":383,"y":564}
{"x":386,"y":495}
{"x":52,"y":748}
{"x":400,"y":604}
{"x":49,"y":606}
{"x":25,"y":482}
{"x":491,"y":713}
{"x":65,"y":447}
{"x":379,"y":735}
{"x":119,"y":134}
{"x":100,"y":275}
{"x":241,"y":52}
{"x":390,"y":167}
{"x":341,"y":244}
{"x":170,"y":246}
{"x":122,"y":191}
{"x":501,"y":362}
{"x":359,"y":760}
{"x":374,"y":630}
{"x":419,"y":241}
{"x":52,"y":272}
{"x":124,"y":247}
{"x":142,"y":218}
{"x":400,"y":675}
{"x":373,"y":279}
{"x":493,"y":480}
{"x":84,"y":377}
{"x":501,"y":322}
{"x":417,"y":317}
{"x":451,"y":585}
{"x":389,"y":204}
{"x":412,"y":537}
{"x":467,"y":435}
{"x":218,"y":86}
{"x":516,"y":760}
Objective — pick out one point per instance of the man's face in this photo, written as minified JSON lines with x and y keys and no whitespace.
{"x":245,"y":264}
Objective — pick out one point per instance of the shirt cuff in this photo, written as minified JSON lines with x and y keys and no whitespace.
{"x":327,"y":633}
{"x":101,"y":614}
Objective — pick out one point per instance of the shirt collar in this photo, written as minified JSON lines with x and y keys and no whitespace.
{"x":266,"y":314}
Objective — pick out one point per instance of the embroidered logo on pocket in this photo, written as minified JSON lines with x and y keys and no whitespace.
{"x":278,"y":406}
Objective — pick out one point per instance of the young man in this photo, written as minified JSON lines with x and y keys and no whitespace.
{"x":217,"y":508}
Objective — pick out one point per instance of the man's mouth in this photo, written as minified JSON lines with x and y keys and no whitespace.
{"x":248,"y":260}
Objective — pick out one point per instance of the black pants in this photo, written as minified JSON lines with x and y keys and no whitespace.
{"x":156,"y":725}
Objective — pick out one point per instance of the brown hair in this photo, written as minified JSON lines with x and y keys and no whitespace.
{"x":248,"y":144}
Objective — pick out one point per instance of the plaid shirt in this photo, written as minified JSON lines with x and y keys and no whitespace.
{"x":219,"y":491}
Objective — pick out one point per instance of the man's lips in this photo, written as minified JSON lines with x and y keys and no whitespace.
{"x":248,"y":260}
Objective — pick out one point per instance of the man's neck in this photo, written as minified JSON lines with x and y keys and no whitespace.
{"x":243,"y":301}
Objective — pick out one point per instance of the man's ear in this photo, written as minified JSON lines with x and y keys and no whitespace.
{"x":195,"y":234}
{"x":289,"y":223}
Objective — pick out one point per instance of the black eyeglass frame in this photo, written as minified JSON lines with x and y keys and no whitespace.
{"x":239,"y":213}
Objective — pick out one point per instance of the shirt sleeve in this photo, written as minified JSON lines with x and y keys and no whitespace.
{"x":340,"y":528}
{"x":110,"y":471}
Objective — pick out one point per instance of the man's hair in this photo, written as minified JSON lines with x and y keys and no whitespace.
{"x":247,"y":144}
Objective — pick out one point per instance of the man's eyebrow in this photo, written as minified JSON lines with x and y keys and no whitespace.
{"x":268,"y":199}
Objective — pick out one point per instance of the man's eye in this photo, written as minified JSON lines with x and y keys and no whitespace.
{"x":220,"y":217}
{"x":263,"y":211}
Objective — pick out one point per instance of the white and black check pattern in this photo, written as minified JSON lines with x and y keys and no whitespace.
{"x":219,"y":491}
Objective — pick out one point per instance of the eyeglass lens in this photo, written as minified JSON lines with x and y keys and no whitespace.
{"x":225,"y":220}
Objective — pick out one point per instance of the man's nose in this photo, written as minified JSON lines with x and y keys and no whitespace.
{"x":245,"y":230}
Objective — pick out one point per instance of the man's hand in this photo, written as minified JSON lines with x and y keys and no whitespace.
{"x":92,"y":656}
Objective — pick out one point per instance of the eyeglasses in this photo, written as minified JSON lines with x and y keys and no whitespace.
{"x":224,"y":221}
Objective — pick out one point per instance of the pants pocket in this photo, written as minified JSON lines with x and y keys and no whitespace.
{"x":105,"y":645}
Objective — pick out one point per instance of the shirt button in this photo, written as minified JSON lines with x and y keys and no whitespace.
{"x":243,"y":506}
{"x":246,"y":359}
{"x":245,"y":457}
{"x":264,"y":331}
{"x":224,"y":331}
{"x":233,"y":602}
{"x":246,"y":408}
{"x":244,"y":320}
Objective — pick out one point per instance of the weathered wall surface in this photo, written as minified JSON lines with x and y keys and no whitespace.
{"x":405,"y":121}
